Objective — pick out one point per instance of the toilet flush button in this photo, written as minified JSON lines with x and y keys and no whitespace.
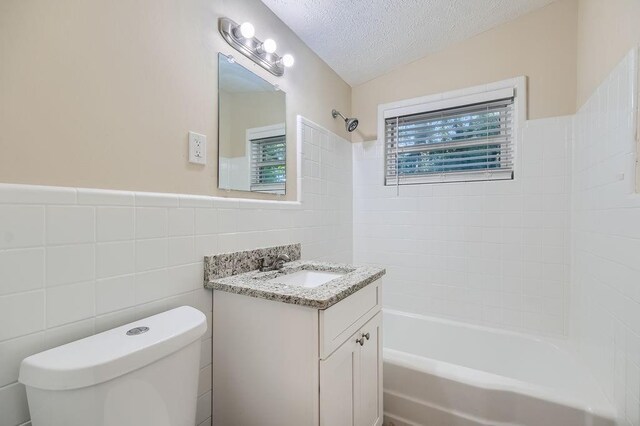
{"x":137,"y":330}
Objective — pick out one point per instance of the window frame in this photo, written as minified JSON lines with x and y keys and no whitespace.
{"x":454,"y":99}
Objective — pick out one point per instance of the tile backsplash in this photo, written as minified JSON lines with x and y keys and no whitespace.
{"x":74,"y":262}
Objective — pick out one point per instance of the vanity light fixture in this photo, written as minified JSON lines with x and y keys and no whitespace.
{"x":269,"y":46}
{"x":263,"y":53}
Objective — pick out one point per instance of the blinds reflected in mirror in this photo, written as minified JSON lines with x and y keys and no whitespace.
{"x":268,"y":164}
{"x":465,"y":143}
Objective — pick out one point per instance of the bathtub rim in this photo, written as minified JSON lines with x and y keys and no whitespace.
{"x":490,"y":381}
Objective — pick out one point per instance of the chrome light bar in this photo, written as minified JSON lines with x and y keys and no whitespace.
{"x":241,"y":38}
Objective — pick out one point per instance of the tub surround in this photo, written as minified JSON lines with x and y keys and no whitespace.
{"x":228,"y":264}
{"x":262,"y":284}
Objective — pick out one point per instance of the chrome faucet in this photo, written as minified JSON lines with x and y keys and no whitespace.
{"x":277,"y":264}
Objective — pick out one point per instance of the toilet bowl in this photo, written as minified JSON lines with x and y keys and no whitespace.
{"x":143,"y":374}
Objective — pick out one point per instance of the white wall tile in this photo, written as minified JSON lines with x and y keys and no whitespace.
{"x":181,"y":222}
{"x":13,"y":351}
{"x":115,"y":223}
{"x":101,"y":197}
{"x":151,"y":222}
{"x":152,"y":285}
{"x":605,"y":239}
{"x":21,"y":226}
{"x":114,"y":259}
{"x":113,"y":294}
{"x":483,"y":237}
{"x":151,"y":254}
{"x":206,"y":221}
{"x":21,"y":314}
{"x":70,"y":224}
{"x":36,"y":194}
{"x":70,"y":303}
{"x":68,"y":333}
{"x":181,"y":250}
{"x":69,"y":264}
{"x":13,"y":405}
{"x":21,"y":270}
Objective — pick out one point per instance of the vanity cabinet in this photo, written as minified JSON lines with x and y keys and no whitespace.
{"x":351,"y":378}
{"x":277,"y":363}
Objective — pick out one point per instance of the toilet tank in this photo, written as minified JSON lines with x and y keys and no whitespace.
{"x":144,"y":373}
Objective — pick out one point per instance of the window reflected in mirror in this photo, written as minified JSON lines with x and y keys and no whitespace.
{"x":251,"y":131}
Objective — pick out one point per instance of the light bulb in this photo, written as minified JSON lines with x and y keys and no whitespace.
{"x":247,"y":30}
{"x":269,"y":45}
{"x":287,"y":60}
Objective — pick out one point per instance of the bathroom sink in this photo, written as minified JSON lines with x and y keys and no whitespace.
{"x":306,"y":278}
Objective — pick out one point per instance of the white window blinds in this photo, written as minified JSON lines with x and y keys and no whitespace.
{"x":462,"y":143}
{"x":268,"y":162}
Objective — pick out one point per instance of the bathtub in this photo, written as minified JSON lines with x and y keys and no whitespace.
{"x":443,"y":373}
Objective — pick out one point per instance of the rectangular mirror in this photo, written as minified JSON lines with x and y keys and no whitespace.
{"x":252,"y":147}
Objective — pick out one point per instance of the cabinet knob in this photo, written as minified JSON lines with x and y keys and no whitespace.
{"x":366,"y":336}
{"x":361,"y":341}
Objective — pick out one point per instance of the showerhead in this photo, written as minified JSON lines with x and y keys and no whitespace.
{"x":350,"y":123}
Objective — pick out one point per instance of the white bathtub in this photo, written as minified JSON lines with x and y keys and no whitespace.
{"x":443,"y":373}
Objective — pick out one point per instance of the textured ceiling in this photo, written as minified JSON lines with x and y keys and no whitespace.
{"x":363,"y":39}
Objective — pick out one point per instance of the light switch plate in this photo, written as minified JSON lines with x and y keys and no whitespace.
{"x":197,"y":148}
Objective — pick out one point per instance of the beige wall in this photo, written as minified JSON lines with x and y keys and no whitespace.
{"x":540,"y":45}
{"x":102,"y":93}
{"x":607,"y":30}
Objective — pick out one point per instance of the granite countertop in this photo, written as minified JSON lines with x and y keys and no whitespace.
{"x":266,"y":286}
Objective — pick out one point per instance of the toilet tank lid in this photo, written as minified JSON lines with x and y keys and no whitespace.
{"x":115,"y":352}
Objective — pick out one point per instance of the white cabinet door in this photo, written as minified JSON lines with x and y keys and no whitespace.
{"x":369,"y":395}
{"x":338,"y":379}
{"x":351,"y":380}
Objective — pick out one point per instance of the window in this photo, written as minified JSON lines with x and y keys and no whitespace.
{"x":463,"y":138}
{"x":268,"y":163}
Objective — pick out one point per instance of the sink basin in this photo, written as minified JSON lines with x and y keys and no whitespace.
{"x":308,"y":279}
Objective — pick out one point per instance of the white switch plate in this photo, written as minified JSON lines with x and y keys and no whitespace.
{"x":197,"y":148}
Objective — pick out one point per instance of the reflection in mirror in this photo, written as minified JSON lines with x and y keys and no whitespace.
{"x":251,"y":131}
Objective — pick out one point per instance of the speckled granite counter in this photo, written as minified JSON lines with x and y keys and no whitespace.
{"x":266,"y":286}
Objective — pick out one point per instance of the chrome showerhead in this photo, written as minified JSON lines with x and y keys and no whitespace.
{"x":350,"y":123}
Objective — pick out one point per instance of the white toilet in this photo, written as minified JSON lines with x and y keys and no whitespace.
{"x":141,"y":374}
